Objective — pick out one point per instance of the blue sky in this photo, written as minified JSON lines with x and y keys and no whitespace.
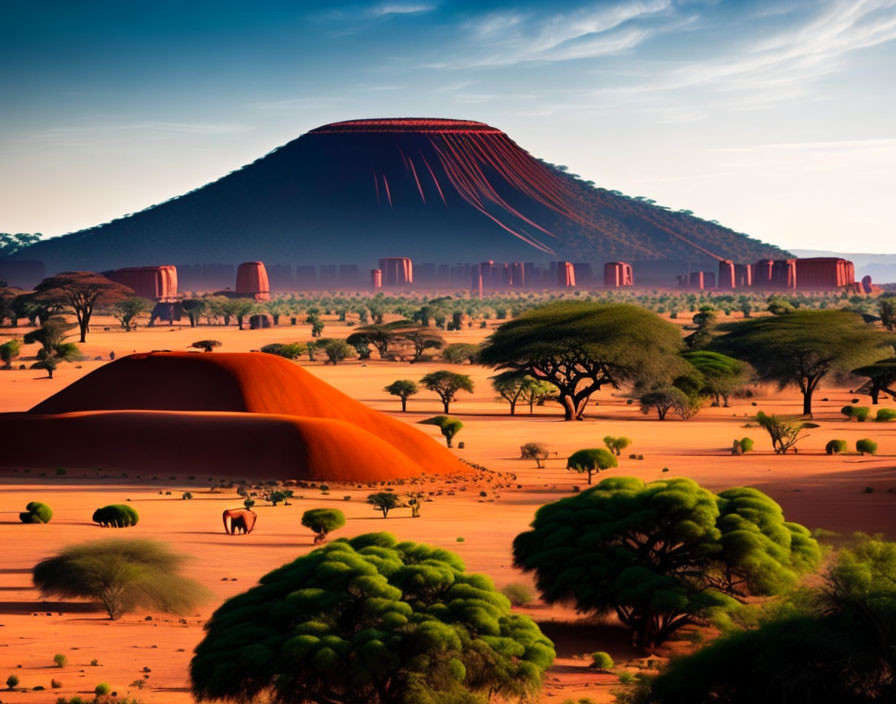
{"x":776,"y":118}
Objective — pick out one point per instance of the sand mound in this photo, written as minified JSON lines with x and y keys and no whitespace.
{"x":240,"y":445}
{"x":250,"y":411}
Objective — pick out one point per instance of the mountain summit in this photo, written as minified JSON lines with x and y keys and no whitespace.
{"x":431,"y":189}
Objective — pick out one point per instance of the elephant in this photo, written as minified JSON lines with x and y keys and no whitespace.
{"x":242,"y":520}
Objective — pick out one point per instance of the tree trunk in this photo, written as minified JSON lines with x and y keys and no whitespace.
{"x":807,"y":402}
{"x":589,"y":476}
{"x":445,"y":406}
{"x":513,"y":408}
{"x":569,"y":407}
{"x":404,"y":404}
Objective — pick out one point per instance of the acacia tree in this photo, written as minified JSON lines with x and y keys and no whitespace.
{"x":127,"y":309}
{"x":579,"y":347}
{"x":449,"y":427}
{"x":81,"y":291}
{"x":803,"y":347}
{"x":512,"y":387}
{"x":662,"y":555}
{"x":53,"y":347}
{"x":784,"y":434}
{"x":123,"y":575}
{"x":370,"y":621}
{"x":720,"y":375}
{"x":206,"y":345}
{"x":403,"y":388}
{"x":446,"y":384}
{"x":881,"y":378}
{"x":591,"y":460}
{"x":833,"y":645}
{"x":384,"y":501}
{"x":420,"y":340}
{"x":323,"y":521}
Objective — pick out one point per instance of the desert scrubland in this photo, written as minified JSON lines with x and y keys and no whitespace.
{"x":476,"y":515}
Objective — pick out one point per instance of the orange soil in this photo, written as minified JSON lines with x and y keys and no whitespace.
{"x":814,"y":489}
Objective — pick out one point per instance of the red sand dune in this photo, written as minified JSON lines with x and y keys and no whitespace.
{"x":248,"y":415}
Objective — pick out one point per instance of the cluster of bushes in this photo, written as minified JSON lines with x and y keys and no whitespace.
{"x":116,"y":516}
{"x":36,"y":512}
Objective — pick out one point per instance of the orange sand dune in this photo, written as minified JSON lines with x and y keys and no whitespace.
{"x":256,"y":446}
{"x":250,"y":415}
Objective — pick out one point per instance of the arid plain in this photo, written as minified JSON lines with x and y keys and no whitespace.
{"x":485,"y":510}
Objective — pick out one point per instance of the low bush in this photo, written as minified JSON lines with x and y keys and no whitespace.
{"x":866,"y":447}
{"x":519,"y":594}
{"x":885,"y":415}
{"x":836,"y":447}
{"x":102,"y":689}
{"x":60,"y":660}
{"x":116,"y":516}
{"x":12,"y":682}
{"x":861,"y":413}
{"x":36,"y":512}
{"x":601,"y":661}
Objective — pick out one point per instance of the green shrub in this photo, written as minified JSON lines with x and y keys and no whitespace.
{"x":836,"y":447}
{"x":102,"y":689}
{"x":187,"y":495}
{"x":36,"y":512}
{"x":866,"y":447}
{"x":12,"y":682}
{"x":116,"y":516}
{"x":847,"y":411}
{"x":60,"y":660}
{"x":746,"y":444}
{"x":625,"y":677}
{"x":861,"y":413}
{"x":520,"y":594}
{"x":602,"y":661}
{"x":885,"y":415}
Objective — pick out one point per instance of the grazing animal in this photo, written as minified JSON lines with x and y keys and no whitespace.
{"x":241,"y":520}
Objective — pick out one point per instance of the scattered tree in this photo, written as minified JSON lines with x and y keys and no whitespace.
{"x":783,"y":433}
{"x":460,"y":353}
{"x":128,"y":309}
{"x":662,"y":555}
{"x":123,"y":575}
{"x":81,"y":291}
{"x":720,"y":375}
{"x":578,"y":347}
{"x":403,"y":388}
{"x":53,"y":348}
{"x":512,"y":387}
{"x":375,"y":621}
{"x":590,"y":461}
{"x":206,"y":345}
{"x":9,"y":351}
{"x":534,"y":451}
{"x":323,"y":521}
{"x":290,"y":350}
{"x":616,"y":444}
{"x":881,"y":379}
{"x":384,"y":501}
{"x":336,"y":350}
{"x":667,"y":399}
{"x":803,"y":347}
{"x":446,"y":384}
{"x":866,"y":447}
{"x":449,"y":427}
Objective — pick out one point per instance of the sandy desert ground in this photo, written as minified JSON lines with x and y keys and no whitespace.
{"x":814,"y":489}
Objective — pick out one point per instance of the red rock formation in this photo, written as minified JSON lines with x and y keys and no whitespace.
{"x":518,"y":275}
{"x":376,"y":278}
{"x":255,"y":415}
{"x":817,"y":273}
{"x":566,"y":275}
{"x":696,"y":280}
{"x":252,"y":281}
{"x":618,"y":275}
{"x":158,"y":283}
{"x":397,"y":271}
{"x":727,"y":277}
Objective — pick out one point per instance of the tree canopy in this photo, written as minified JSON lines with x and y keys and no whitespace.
{"x":403,"y":388}
{"x":370,"y":621}
{"x":881,"y":378}
{"x":662,"y":555}
{"x":323,"y":521}
{"x":803,"y":347}
{"x":720,"y":375}
{"x":81,"y":291}
{"x":834,"y":645}
{"x":446,"y":384}
{"x":591,"y":460}
{"x":580,"y":346}
{"x":449,"y":426}
{"x":123,"y":575}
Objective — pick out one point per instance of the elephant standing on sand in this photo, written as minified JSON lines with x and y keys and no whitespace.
{"x":241,"y":520}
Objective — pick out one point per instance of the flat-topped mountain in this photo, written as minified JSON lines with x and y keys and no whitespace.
{"x":430,"y":189}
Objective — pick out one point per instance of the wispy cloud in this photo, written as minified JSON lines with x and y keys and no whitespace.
{"x":400,"y":9}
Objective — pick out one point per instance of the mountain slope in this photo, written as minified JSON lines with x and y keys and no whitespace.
{"x":434,"y":190}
